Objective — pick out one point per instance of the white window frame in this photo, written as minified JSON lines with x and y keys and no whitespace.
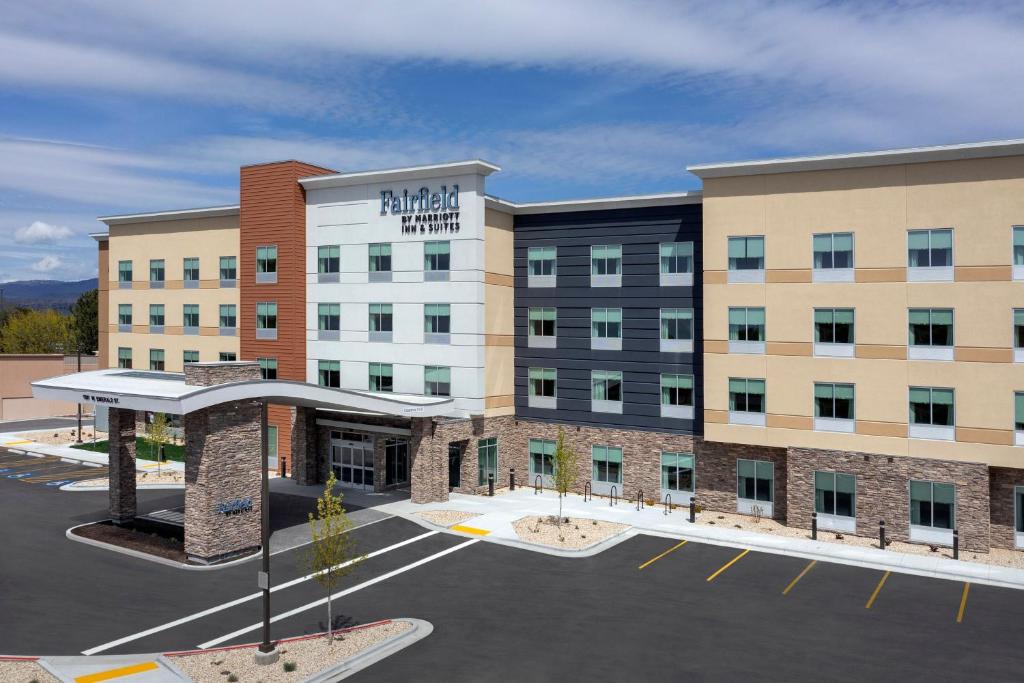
{"x":606,"y":280}
{"x":931,"y":273}
{"x":541,"y":341}
{"x":834,"y":424}
{"x":931,"y":351}
{"x":684,"y":279}
{"x":606,"y":343}
{"x":834,"y":274}
{"x":675,"y":345}
{"x":542,"y":280}
{"x":831,"y":349}
{"x":746,"y":275}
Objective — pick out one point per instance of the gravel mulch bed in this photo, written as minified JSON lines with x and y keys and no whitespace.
{"x":61,"y":437}
{"x":24,"y":672}
{"x":727,"y":520}
{"x":309,"y":656}
{"x":149,"y":543}
{"x":167,"y":476}
{"x":447,"y":517}
{"x":576,"y":534}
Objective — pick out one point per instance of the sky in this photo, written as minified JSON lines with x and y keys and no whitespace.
{"x":111,"y":107}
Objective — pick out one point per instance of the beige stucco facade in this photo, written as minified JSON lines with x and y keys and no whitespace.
{"x":980,"y":199}
{"x":499,"y":326}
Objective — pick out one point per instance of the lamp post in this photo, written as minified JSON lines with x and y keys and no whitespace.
{"x":267,"y":653}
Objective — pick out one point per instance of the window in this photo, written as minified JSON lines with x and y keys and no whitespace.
{"x":542,"y":460}
{"x":190,"y":318}
{"x":266,"y":320}
{"x":931,"y":413}
{"x":487,"y":460}
{"x":190,"y":272}
{"x":328,"y":263}
{"x":677,"y":396}
{"x":266,"y":264}
{"x":156,"y":273}
{"x":930,"y":333}
{"x":542,"y":266}
{"x":677,"y":330}
{"x":380,"y":262}
{"x":746,"y":401}
{"x":381,"y":321}
{"x":268,"y":367}
{"x":606,"y":266}
{"x":1018,"y":335}
{"x":746,"y":330}
{"x":542,"y":388}
{"x":677,"y":476}
{"x":835,"y":494}
{"x":833,"y":332}
{"x":228,"y":271}
{"x":542,"y":330}
{"x":437,"y":381}
{"x":755,"y":483}
{"x":606,"y":329}
{"x":329,"y":373}
{"x":932,"y":505}
{"x":124,"y":357}
{"x":1018,"y":417}
{"x":833,"y":257}
{"x":227,"y":356}
{"x":746,"y":259}
{"x":228,"y":320}
{"x":156,"y":318}
{"x":328,"y":321}
{"x":381,"y":377}
{"x":833,"y":407}
{"x":189,"y":356}
{"x":437,"y":260}
{"x":124,"y":274}
{"x":396,"y":461}
{"x":607,"y":468}
{"x":271,"y":447}
{"x":124,"y":317}
{"x":929,"y":255}
{"x":437,"y":322}
{"x":606,"y":391}
{"x":676,"y":264}
{"x":1018,"y":515}
{"x":1018,"y":252}
{"x":156,"y":359}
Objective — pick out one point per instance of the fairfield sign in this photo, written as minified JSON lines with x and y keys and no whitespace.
{"x":424,"y":211}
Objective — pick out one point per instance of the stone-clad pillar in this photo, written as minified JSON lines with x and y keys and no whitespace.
{"x":304,"y":465}
{"x":121,"y":449}
{"x":429,"y":467}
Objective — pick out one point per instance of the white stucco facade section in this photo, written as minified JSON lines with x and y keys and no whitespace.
{"x":350,"y":217}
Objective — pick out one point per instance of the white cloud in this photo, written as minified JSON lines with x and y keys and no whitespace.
{"x":47,"y":263}
{"x":39,"y":233}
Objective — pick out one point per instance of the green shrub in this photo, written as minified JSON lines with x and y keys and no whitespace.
{"x":290,"y":666}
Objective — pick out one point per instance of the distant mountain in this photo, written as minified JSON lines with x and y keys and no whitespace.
{"x":44,"y":293}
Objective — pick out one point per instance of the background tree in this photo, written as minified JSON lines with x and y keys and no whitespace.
{"x":565,"y":469}
{"x":30,"y":331}
{"x":157,"y":434}
{"x":332,"y":554}
{"x":85,"y":326}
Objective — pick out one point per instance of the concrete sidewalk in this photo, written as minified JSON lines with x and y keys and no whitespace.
{"x":498,"y":513}
{"x":82,"y":456}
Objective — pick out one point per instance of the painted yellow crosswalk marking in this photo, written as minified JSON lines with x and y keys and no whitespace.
{"x":654,"y":559}
{"x":727,"y":565}
{"x":119,"y":672}
{"x":470,"y":530}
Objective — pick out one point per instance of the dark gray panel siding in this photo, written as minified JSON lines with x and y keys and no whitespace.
{"x":640,"y":232}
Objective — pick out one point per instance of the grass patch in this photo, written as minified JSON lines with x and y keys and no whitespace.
{"x":143,"y":449}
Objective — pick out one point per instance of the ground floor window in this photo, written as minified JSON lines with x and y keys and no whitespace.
{"x":677,"y":472}
{"x":932,"y":504}
{"x":190,"y":356}
{"x":1018,"y":513}
{"x":272,"y":447}
{"x":835,"y":494}
{"x":396,"y":461}
{"x":542,"y":458}
{"x":487,"y":459}
{"x":755,"y":480}
{"x":607,"y":464}
{"x":225,"y":356}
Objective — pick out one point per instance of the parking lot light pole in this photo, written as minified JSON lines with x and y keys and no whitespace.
{"x":267,"y":653}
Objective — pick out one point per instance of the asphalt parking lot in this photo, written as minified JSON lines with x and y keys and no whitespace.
{"x":647,"y":608}
{"x":48,"y":470}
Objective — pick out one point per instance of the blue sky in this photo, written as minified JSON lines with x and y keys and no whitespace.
{"x":110,"y":107}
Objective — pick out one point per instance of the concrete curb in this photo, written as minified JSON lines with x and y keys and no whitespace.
{"x":139,"y":487}
{"x":420,"y":630}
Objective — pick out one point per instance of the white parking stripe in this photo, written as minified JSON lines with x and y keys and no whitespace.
{"x":244,"y":599}
{"x":335,"y":596}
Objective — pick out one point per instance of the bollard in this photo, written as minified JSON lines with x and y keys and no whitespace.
{"x":956,"y":544}
{"x":490,"y":484}
{"x":693,"y":511}
{"x":881,"y":534}
{"x":284,"y":466}
{"x":512,"y":479}
{"x":814,"y":526}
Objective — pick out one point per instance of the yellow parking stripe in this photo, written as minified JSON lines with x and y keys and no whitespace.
{"x":654,"y":559}
{"x":469,"y":530}
{"x":728,"y":564}
{"x":799,"y":576}
{"x":878,"y":589}
{"x":15,"y":443}
{"x":963,"y":603}
{"x":117,"y":673}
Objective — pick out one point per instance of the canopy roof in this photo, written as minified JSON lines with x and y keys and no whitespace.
{"x":166,"y":392}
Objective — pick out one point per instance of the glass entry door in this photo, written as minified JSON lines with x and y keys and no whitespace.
{"x":352,"y":462}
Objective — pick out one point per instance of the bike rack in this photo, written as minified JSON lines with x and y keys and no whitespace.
{"x":588,"y":492}
{"x":639,"y":500}
{"x":538,"y":484}
{"x":668,"y":503}
{"x":611,"y":499}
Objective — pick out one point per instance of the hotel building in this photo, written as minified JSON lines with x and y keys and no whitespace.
{"x":840,"y":335}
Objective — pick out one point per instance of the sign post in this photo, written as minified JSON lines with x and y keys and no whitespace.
{"x":267,"y":653}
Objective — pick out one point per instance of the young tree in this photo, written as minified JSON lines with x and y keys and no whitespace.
{"x":158,"y":434}
{"x":85,"y":323}
{"x":332,"y":554}
{"x":565,"y":469}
